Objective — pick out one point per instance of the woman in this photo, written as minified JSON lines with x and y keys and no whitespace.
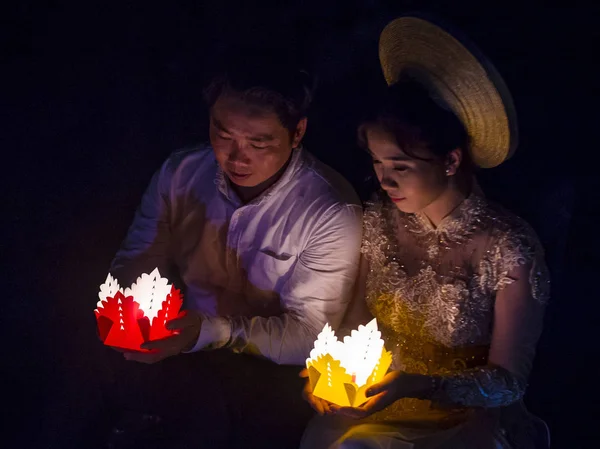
{"x":457,"y":284}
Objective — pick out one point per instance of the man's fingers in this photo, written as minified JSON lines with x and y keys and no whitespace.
{"x":185,"y":319}
{"x":145,"y":357}
{"x":121,"y":350}
{"x":178,"y":323}
{"x":303,"y":373}
{"x":164,"y":344}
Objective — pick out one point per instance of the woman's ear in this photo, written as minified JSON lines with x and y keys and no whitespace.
{"x":453,"y":161}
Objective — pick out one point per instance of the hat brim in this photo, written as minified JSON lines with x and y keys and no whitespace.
{"x":458,"y":77}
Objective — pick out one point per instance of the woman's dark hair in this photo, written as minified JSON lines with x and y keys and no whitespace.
{"x":407,"y":111}
{"x":264,"y":82}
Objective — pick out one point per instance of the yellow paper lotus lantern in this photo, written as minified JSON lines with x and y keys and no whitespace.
{"x":341,"y":372}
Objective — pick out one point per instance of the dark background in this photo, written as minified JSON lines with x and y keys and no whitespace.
{"x":97,"y":95}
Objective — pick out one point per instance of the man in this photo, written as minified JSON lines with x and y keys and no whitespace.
{"x":264,"y":238}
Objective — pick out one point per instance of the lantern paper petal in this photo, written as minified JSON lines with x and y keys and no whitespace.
{"x":170,"y":308}
{"x":124,"y":332}
{"x":341,"y":372}
{"x":104,"y":325}
{"x":108,"y":289}
{"x":127,"y":319}
{"x":332,"y":380}
{"x":150,"y":290}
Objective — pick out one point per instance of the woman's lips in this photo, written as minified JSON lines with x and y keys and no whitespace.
{"x":397,"y":199}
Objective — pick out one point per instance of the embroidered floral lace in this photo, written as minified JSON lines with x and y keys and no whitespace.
{"x":434,"y":293}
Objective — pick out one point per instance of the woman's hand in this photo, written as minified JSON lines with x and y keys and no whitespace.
{"x":394,"y":386}
{"x":321,"y":406}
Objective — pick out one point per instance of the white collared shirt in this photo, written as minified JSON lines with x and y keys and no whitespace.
{"x":266,"y":275}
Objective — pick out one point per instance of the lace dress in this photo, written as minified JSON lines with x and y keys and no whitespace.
{"x":463,"y":301}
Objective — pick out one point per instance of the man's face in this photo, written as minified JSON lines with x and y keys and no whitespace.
{"x":250,"y":143}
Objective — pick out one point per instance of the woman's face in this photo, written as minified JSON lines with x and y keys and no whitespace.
{"x":412,"y":184}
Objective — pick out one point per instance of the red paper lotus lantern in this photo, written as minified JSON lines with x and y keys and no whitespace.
{"x":128,"y":318}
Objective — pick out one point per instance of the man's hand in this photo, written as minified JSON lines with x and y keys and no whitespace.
{"x":395,"y":385}
{"x":321,"y":406}
{"x":187,"y":327}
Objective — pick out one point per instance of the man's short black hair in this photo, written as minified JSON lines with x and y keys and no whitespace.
{"x":266,"y":82}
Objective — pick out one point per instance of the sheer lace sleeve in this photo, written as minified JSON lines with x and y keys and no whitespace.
{"x":490,"y":386}
{"x":522,"y":289}
{"x":515,"y":244}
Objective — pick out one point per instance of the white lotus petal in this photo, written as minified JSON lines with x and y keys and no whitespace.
{"x":109,"y":288}
{"x":359,"y":352}
{"x":150,"y":291}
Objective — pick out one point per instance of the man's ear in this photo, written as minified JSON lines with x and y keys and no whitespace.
{"x":299,"y":132}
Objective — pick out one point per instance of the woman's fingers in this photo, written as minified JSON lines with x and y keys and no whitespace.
{"x":317,"y":405}
{"x":321,"y":406}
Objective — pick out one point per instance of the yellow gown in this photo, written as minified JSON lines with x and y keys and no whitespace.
{"x":463,"y":301}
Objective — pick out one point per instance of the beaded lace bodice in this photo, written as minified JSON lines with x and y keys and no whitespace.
{"x":433,"y":292}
